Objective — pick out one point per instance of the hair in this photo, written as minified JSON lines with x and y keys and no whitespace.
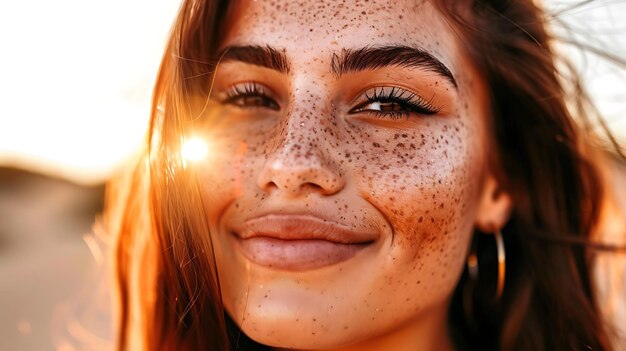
{"x":169,"y":292}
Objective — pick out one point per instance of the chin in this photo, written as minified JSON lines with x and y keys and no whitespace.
{"x":295,"y":335}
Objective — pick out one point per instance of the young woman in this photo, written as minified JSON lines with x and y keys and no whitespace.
{"x":381,"y":176}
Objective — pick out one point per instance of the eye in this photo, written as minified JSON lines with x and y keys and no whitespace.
{"x":250,"y":95}
{"x":394,"y":102}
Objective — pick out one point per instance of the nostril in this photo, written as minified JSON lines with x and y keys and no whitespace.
{"x":269,"y":186}
{"x":315,"y":187}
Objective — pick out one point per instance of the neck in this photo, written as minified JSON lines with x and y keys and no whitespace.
{"x":429,"y":331}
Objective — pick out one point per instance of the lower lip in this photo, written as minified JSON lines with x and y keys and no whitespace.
{"x":297,"y":255}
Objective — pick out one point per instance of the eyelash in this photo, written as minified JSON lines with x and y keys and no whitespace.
{"x":237,"y":94}
{"x":409,"y":102}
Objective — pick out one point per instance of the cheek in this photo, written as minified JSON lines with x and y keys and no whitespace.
{"x":426,"y":182}
{"x":236,"y":152}
{"x":222,"y":175}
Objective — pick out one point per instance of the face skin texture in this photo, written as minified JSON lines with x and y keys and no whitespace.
{"x":307,"y":141}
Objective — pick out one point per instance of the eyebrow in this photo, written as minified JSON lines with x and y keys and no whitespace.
{"x":370,"y":58}
{"x":348,"y":61}
{"x":264,"y":56}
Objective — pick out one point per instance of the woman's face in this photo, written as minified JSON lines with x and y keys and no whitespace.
{"x":348,"y":162}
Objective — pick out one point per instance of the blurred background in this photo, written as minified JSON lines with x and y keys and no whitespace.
{"x":75,"y":88}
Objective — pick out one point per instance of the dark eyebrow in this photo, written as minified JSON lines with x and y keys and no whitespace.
{"x":264,"y":56}
{"x":368,"y":58}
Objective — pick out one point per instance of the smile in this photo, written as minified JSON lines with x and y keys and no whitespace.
{"x":299,"y":242}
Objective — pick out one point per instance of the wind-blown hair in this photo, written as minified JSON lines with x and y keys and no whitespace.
{"x":168,"y":288}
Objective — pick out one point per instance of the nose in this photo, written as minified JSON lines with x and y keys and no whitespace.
{"x":301,"y":163}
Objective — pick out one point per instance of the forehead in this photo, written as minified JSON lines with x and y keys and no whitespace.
{"x":311,"y":28}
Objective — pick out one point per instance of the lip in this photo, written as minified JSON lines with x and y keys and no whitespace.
{"x":299,"y":241}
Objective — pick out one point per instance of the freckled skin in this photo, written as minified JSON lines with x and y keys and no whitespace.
{"x":416,"y":180}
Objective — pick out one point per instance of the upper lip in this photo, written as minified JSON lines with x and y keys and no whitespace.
{"x":302,"y":227}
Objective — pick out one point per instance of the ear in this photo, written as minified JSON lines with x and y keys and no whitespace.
{"x":494,"y":208}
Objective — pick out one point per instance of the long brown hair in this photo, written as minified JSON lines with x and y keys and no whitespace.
{"x":169,"y":294}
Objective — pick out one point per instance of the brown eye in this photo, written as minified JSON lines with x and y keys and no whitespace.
{"x":385,"y":107}
{"x":394,"y":102}
{"x":253,"y":101}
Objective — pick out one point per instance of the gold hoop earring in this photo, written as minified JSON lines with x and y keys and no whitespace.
{"x":472,"y":269}
{"x":501,"y":264}
{"x":472,"y":264}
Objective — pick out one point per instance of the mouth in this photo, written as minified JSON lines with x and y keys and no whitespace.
{"x":299,"y":242}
